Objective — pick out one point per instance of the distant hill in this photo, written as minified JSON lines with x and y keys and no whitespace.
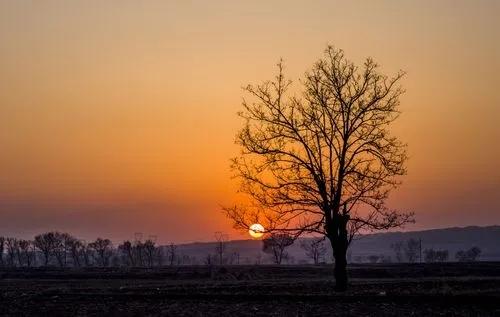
{"x":451,"y":239}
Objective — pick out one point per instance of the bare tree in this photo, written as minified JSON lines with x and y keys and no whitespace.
{"x":431,"y":255}
{"x":139,"y":252}
{"x":398,"y":250}
{"x":171,"y":253}
{"x":75,"y":249}
{"x":323,"y":161}
{"x":2,"y":247}
{"x":442,"y":255}
{"x":276,"y":245}
{"x":69,"y":242}
{"x":411,"y":250}
{"x":220,"y":247}
{"x":26,"y":253}
{"x":86,"y":253}
{"x":315,"y":248}
{"x":62,"y":247}
{"x":234,"y":258}
{"x":45,"y":242}
{"x":150,"y":252}
{"x":209,"y":260}
{"x":12,"y":250}
{"x":127,"y":249}
{"x":102,"y":249}
{"x":159,"y":256}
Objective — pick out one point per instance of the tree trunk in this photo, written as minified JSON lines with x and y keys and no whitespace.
{"x":340,"y":270}
{"x":339,"y":242}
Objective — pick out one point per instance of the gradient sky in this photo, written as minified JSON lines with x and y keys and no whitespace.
{"x":120,"y":116}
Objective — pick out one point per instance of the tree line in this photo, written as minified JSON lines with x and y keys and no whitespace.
{"x":65,"y":250}
{"x":411,"y":251}
{"x":62,"y":249}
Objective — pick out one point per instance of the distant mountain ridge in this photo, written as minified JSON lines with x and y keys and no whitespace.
{"x":378,"y":244}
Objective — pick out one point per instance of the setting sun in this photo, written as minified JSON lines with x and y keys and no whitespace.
{"x":256,"y":230}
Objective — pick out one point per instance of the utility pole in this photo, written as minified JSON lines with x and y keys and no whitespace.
{"x":420,"y":247}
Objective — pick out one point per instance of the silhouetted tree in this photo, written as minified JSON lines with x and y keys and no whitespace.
{"x":2,"y":247}
{"x":234,"y":258}
{"x":12,"y":250}
{"x":139,"y":252}
{"x":150,"y":252}
{"x":315,"y":248}
{"x":46,"y":243}
{"x":26,"y":253}
{"x":59,"y":250}
{"x":411,"y":250}
{"x":127,"y":249}
{"x":431,"y":255}
{"x":62,"y":247}
{"x":398,"y":250}
{"x":322,"y":161}
{"x":442,"y":255}
{"x":102,"y":249}
{"x":209,"y":260}
{"x":159,"y":256}
{"x":74,"y":248}
{"x":86,"y":253}
{"x":276,"y":245}
{"x":470,"y":255}
{"x":171,"y":253}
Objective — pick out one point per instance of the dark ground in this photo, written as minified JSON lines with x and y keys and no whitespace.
{"x":382,"y":290}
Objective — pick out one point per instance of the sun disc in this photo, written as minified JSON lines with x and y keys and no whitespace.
{"x":256,"y":230}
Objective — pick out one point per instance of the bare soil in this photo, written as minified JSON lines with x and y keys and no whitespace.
{"x":449,"y":289}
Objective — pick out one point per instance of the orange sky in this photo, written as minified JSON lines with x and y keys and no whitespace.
{"x":119,"y":117}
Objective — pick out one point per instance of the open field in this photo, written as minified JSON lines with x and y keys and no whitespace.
{"x":419,"y":289}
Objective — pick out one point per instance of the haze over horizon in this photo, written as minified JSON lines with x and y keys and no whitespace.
{"x":116,"y":119}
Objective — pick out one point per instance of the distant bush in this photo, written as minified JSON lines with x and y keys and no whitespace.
{"x":470,"y":255}
{"x":431,"y":255}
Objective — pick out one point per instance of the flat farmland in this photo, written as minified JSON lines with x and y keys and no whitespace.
{"x":452,"y":289}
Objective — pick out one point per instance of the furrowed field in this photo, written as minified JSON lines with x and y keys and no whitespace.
{"x":389,"y":289}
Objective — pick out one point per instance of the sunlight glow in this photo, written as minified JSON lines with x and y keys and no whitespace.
{"x":256,"y":230}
